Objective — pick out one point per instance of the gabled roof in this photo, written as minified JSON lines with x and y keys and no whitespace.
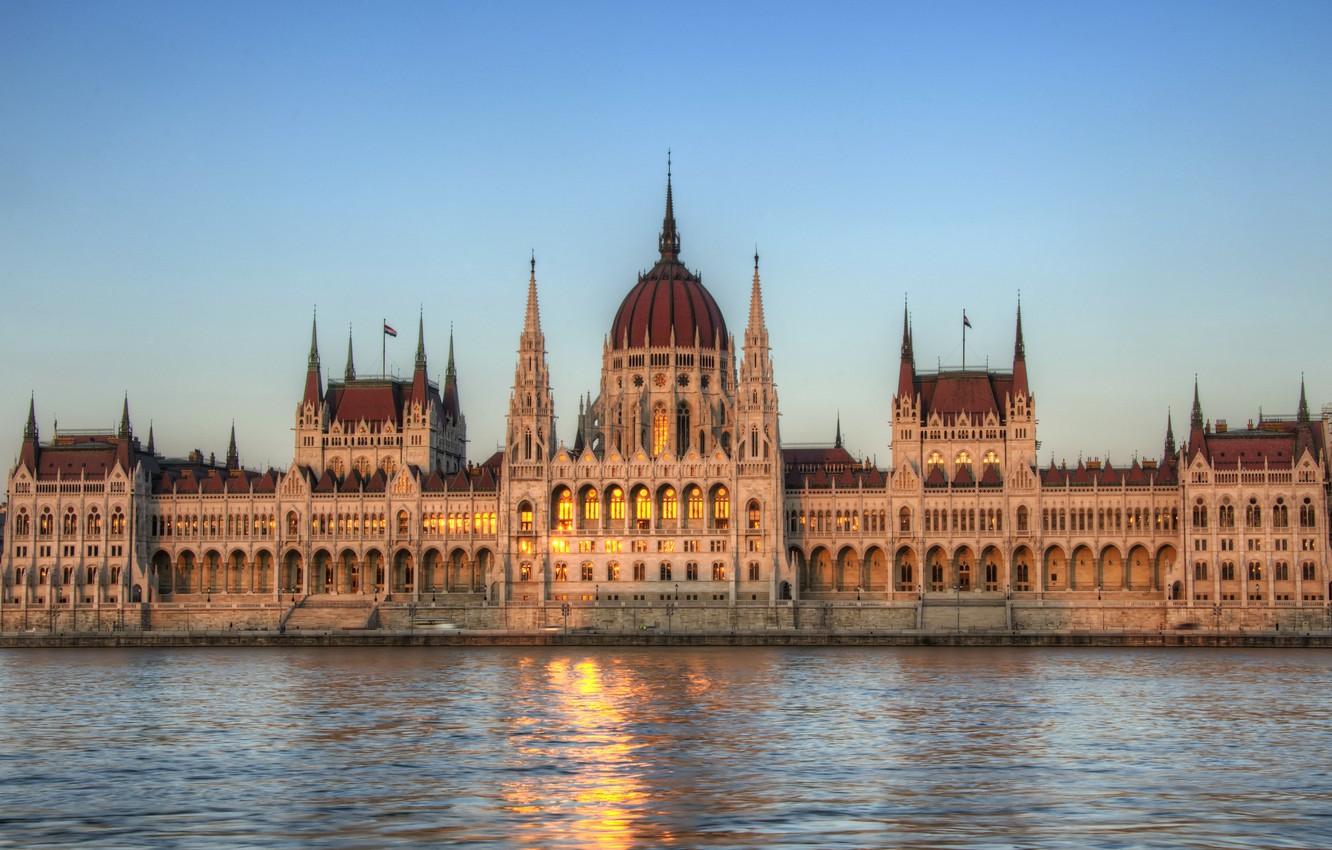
{"x":975,"y":393}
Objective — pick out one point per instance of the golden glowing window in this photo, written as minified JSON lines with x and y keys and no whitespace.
{"x":670,"y":507}
{"x":525,"y":546}
{"x":564,"y":510}
{"x":591,"y":505}
{"x":936,"y":461}
{"x":661,"y":430}
{"x":721,"y":508}
{"x":561,"y":572}
{"x":525,"y":517}
{"x":617,"y":503}
{"x":695,"y":500}
{"x":642,"y":508}
{"x":963,"y":459}
{"x":559,"y":545}
{"x":992,"y":459}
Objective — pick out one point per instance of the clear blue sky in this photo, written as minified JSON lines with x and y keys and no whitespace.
{"x":181,"y":184}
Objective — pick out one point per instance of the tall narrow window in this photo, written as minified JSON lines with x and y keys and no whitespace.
{"x":564,"y":510}
{"x":642,"y":509}
{"x":681,"y":429}
{"x":591,"y":505}
{"x":617,"y":503}
{"x":670,"y":506}
{"x":695,"y":498}
{"x":721,"y":509}
{"x":661,"y":429}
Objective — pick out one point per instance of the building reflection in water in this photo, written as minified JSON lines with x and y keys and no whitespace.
{"x":582,"y":782}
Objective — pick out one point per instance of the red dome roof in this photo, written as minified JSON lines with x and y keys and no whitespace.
{"x":668,"y":298}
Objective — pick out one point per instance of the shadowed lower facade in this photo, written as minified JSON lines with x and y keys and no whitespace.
{"x":674,"y":489}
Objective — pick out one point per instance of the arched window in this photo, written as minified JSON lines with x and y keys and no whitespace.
{"x":94,"y":522}
{"x":1255,"y":571}
{"x":22,"y":523}
{"x":612,"y":571}
{"x":963,"y":459}
{"x":1307,"y":514}
{"x":1200,"y":571}
{"x":935,"y":461}
{"x":755,"y":515}
{"x":664,"y":571}
{"x":642,"y":509}
{"x":694,"y":496}
{"x":70,"y":526}
{"x":1308,"y":572}
{"x":404,"y":523}
{"x":992,"y":460}
{"x":661,"y":429}
{"x":617,"y":504}
{"x":904,"y":520}
{"x":1253,"y":515}
{"x":591,"y":505}
{"x":525,"y":572}
{"x":670,"y":505}
{"x":525,"y":516}
{"x":681,"y":429}
{"x":293,"y":524}
{"x":753,"y":441}
{"x":45,"y":524}
{"x":564,"y":510}
{"x":1022,"y":518}
{"x":721,"y":509}
{"x":1199,"y":514}
{"x":1280,"y":514}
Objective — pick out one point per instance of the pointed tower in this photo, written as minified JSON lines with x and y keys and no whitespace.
{"x":312,"y":411}
{"x":152,"y":447}
{"x":1020,"y":442}
{"x":350,"y":374}
{"x":531,"y":426}
{"x":233,"y":458}
{"x":1168,"y":452}
{"x":904,"y":421}
{"x":1197,"y":429}
{"x":1302,"y":413}
{"x":759,"y":471}
{"x":756,"y":395}
{"x":30,"y":449}
{"x":453,"y":425}
{"x":837,"y":440}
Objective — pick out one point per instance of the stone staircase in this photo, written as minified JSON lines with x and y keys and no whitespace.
{"x":314,"y":614}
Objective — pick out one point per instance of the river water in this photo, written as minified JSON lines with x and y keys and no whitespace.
{"x":683,"y":747}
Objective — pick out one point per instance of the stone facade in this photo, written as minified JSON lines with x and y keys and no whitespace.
{"x":674,"y":506}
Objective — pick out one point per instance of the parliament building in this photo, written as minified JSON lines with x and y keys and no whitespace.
{"x":674,"y":503}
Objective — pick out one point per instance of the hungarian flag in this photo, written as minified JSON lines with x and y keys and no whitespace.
{"x":388,"y":331}
{"x":965,"y":321}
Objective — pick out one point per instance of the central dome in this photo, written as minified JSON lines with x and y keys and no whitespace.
{"x":668,"y":300}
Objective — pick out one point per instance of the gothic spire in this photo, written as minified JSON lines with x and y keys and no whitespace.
{"x":837,"y":441}
{"x":908,"y":350}
{"x":1020,"y":386}
{"x":1169,"y":438}
{"x":1196,"y":418}
{"x":532,"y":321}
{"x":756,"y":299}
{"x":1019,"y":349}
{"x":124,"y":420}
{"x":1303,"y":414}
{"x":30,"y":430}
{"x":452,"y":408}
{"x":233,"y":459}
{"x":152,"y":448}
{"x":350,"y":374}
{"x":669,"y":241}
{"x":906,"y":373}
{"x":420,"y":341}
{"x":313,"y":362}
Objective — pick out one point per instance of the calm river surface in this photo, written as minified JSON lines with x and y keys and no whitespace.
{"x":608,"y":748}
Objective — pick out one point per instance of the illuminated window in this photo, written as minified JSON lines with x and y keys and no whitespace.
{"x":718,"y":571}
{"x":963,"y":459}
{"x":617,"y":503}
{"x":591,"y":505}
{"x":525,"y":572}
{"x":664,"y":571}
{"x":561,"y":572}
{"x":904,"y":520}
{"x":612,"y":571}
{"x":694,"y":496}
{"x":721,"y":509}
{"x":991,"y":460}
{"x":642,"y":508}
{"x":564,"y":510}
{"x":755,"y":516}
{"x":525,"y":516}
{"x":935,"y":461}
{"x":670,"y":507}
{"x":585,"y":573}
{"x":661,"y":429}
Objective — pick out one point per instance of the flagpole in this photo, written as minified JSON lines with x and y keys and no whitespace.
{"x":964,"y":340}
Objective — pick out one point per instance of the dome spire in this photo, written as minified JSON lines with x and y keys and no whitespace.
{"x":669,"y":241}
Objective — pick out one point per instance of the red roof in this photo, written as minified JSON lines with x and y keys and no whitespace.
{"x":974,"y":393}
{"x":668,"y":298}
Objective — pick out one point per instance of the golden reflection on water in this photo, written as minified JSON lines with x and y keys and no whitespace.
{"x":597,"y":800}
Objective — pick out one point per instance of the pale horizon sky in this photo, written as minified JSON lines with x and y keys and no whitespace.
{"x":181,"y":185}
